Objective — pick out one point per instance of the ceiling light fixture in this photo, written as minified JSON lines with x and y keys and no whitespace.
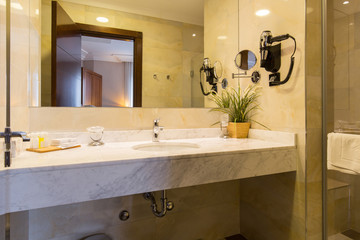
{"x":262,"y":12}
{"x":222,"y":37}
{"x":14,"y":5}
{"x":194,"y":35}
{"x":102,"y":19}
{"x":346,"y":2}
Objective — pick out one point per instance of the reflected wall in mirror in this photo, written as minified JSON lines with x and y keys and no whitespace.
{"x":245,"y":60}
{"x":173,"y":45}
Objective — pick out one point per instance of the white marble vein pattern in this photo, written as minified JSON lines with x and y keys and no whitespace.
{"x":115,"y":169}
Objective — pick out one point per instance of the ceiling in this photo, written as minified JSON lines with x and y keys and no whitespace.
{"x":188,"y":11}
{"x":342,"y":10}
{"x":107,"y":50}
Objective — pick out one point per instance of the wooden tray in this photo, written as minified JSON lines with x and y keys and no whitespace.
{"x":50,"y":149}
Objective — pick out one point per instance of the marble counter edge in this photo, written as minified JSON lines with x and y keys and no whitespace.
{"x":60,"y":167}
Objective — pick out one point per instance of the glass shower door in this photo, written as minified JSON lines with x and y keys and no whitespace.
{"x":343,"y":119}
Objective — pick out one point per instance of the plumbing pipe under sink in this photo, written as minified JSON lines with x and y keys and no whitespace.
{"x":165,"y":204}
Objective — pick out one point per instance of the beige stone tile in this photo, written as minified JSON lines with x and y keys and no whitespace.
{"x":313,"y":79}
{"x":338,"y":209}
{"x":314,"y":155}
{"x":314,"y":102}
{"x":342,"y":99}
{"x":78,"y":119}
{"x":19,"y":225}
{"x":272,"y":204}
{"x":18,"y":121}
{"x":204,"y":195}
{"x":314,"y":209}
{"x":198,"y":206}
{"x":203,"y":223}
{"x":2,"y":226}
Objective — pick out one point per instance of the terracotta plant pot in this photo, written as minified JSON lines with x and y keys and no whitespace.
{"x":238,"y":130}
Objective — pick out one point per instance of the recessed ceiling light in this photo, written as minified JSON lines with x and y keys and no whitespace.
{"x":194,"y":35}
{"x":37,"y":11}
{"x":16,"y":6}
{"x":102,"y":19}
{"x":262,"y":12}
{"x":13,"y":5}
{"x":346,"y":2}
{"x":222,"y":37}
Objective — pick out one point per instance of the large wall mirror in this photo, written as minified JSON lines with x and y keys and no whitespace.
{"x":124,"y":53}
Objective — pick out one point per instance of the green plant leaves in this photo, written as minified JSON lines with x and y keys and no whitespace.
{"x":240,"y":105}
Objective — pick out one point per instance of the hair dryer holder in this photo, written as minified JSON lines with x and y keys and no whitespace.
{"x":273,"y":61}
{"x":271,"y":56}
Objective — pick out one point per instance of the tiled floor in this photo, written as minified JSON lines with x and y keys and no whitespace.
{"x":347,"y":235}
{"x":352,"y":234}
{"x":338,"y":236}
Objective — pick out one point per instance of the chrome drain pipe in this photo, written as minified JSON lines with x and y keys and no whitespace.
{"x":165,"y":204}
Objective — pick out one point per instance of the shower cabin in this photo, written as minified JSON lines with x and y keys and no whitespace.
{"x":341,"y":128}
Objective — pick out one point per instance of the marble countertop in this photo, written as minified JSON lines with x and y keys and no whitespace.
{"x":122,"y":152}
{"x":115,"y":169}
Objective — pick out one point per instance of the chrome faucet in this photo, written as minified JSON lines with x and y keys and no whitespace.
{"x":156,"y":130}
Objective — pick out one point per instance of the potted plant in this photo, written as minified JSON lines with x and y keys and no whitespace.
{"x":240,"y":107}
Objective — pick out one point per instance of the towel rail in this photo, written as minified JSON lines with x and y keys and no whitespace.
{"x":348,"y":127}
{"x":346,"y":131}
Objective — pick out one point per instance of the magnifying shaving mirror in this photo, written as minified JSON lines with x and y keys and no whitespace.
{"x":245,"y":60}
{"x":218,"y":69}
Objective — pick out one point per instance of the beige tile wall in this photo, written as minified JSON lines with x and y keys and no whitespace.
{"x":221,"y":35}
{"x":283,"y":107}
{"x":78,"y":119}
{"x":24,"y":61}
{"x":313,"y":59}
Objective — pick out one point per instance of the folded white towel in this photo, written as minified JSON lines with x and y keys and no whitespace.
{"x":64,"y":142}
{"x":344,"y":152}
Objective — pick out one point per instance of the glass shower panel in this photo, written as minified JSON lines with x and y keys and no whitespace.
{"x":343,"y":126}
{"x":2,"y":98}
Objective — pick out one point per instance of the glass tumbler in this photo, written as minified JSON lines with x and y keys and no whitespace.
{"x":96,"y":134}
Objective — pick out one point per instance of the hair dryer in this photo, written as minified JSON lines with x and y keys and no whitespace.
{"x":210,"y":75}
{"x":271,"y":56}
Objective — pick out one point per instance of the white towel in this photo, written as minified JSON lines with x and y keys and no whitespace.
{"x":64,"y":142}
{"x":344,"y":152}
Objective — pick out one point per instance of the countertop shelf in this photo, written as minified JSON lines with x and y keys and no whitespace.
{"x":115,"y":169}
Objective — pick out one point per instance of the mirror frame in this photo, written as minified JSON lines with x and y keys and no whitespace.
{"x":115,"y":33}
{"x":109,"y":33}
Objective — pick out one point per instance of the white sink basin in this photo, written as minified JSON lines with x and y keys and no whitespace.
{"x":165,"y":146}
